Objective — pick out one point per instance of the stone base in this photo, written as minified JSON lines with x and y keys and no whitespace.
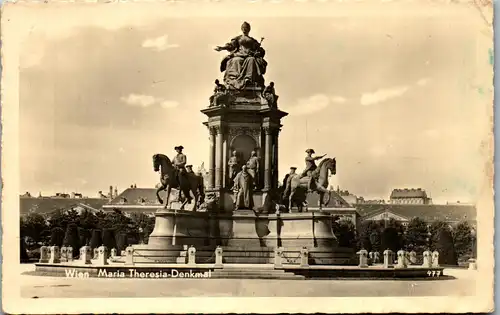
{"x":203,"y":271}
{"x":246,"y":236}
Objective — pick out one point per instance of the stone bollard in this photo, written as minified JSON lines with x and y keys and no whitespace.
{"x":413,"y":257}
{"x":69,"y":253}
{"x":129,"y":256}
{"x":113,"y":252}
{"x":370,"y":258}
{"x":278,"y":258}
{"x":85,"y":255}
{"x":44,"y":254}
{"x":192,"y":256}
{"x":64,"y":254}
{"x":55,"y":255}
{"x":427,"y":259}
{"x":218,"y":257}
{"x":363,"y":258}
{"x":376,"y":257}
{"x":102,"y":257}
{"x":96,"y":253}
{"x":472,"y":264}
{"x":388,"y":258}
{"x":123,"y":253}
{"x":435,"y":259}
{"x":401,"y":259}
{"x":304,"y":257}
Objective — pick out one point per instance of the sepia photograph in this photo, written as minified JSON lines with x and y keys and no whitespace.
{"x":313,"y":156}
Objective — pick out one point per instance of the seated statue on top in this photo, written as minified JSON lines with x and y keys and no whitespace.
{"x":245,"y":64}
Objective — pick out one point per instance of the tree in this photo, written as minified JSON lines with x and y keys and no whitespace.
{"x":369,"y":235}
{"x":72,"y":238}
{"x":23,"y":253}
{"x":61,"y":217}
{"x":33,"y":226}
{"x":88,"y":220}
{"x":434,"y":230}
{"x":108,"y":238}
{"x":84,"y":236}
{"x":56,"y":237}
{"x":96,"y":239}
{"x":444,"y":245}
{"x":345,"y":232}
{"x":121,"y":242}
{"x":417,"y":235}
{"x":391,"y":239}
{"x":463,"y":240}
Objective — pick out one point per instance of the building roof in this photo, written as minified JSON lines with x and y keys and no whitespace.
{"x":408,"y":193}
{"x":138,"y":196}
{"x":48,"y":204}
{"x":425,"y":212}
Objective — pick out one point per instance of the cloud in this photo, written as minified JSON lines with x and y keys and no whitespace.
{"x":423,"y":81}
{"x":142,"y":100}
{"x":159,"y":43}
{"x":314,"y":103}
{"x":338,"y":99}
{"x":382,"y":95}
{"x":169,"y":104}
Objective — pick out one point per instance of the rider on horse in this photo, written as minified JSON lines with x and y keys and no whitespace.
{"x":189,"y":169}
{"x":179,"y":162}
{"x":310,"y":167}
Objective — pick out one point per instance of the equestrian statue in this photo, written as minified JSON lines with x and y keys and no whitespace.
{"x":313,"y":179}
{"x":174,"y":175}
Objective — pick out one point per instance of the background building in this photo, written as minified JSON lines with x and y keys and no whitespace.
{"x":409,"y":196}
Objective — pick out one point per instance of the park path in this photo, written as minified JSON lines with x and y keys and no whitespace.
{"x":55,"y":287}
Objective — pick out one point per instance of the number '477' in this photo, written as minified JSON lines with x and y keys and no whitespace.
{"x":434,"y":273}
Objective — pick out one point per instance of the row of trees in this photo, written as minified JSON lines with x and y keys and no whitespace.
{"x":117,"y":230}
{"x":453,"y":243}
{"x":71,"y":228}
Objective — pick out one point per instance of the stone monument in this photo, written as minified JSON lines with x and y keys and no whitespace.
{"x":243,"y":122}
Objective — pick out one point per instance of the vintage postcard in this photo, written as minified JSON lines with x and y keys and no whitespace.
{"x":247,"y":156}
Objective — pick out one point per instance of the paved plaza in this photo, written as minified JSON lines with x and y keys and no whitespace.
{"x":58,"y":287}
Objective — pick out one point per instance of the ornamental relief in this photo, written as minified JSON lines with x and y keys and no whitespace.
{"x":238,"y":131}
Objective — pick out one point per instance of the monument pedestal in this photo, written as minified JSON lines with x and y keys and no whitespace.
{"x":245,"y":236}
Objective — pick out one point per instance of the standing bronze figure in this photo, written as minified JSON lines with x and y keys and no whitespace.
{"x":253,"y":167}
{"x":243,"y":190}
{"x":234,"y":166}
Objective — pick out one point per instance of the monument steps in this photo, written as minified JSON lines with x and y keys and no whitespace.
{"x":254,"y":273}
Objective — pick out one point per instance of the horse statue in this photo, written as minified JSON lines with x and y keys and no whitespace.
{"x":297,"y":186}
{"x":188,"y":183}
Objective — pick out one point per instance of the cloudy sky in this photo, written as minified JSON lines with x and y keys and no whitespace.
{"x":401,"y":100}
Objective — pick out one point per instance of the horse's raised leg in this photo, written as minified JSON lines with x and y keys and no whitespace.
{"x":186,"y":199}
{"x":158,"y":194}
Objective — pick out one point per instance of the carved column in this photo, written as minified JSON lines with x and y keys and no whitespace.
{"x":211,"y":159}
{"x":267,"y":159}
{"x":219,"y":155}
{"x":275,"y":161}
